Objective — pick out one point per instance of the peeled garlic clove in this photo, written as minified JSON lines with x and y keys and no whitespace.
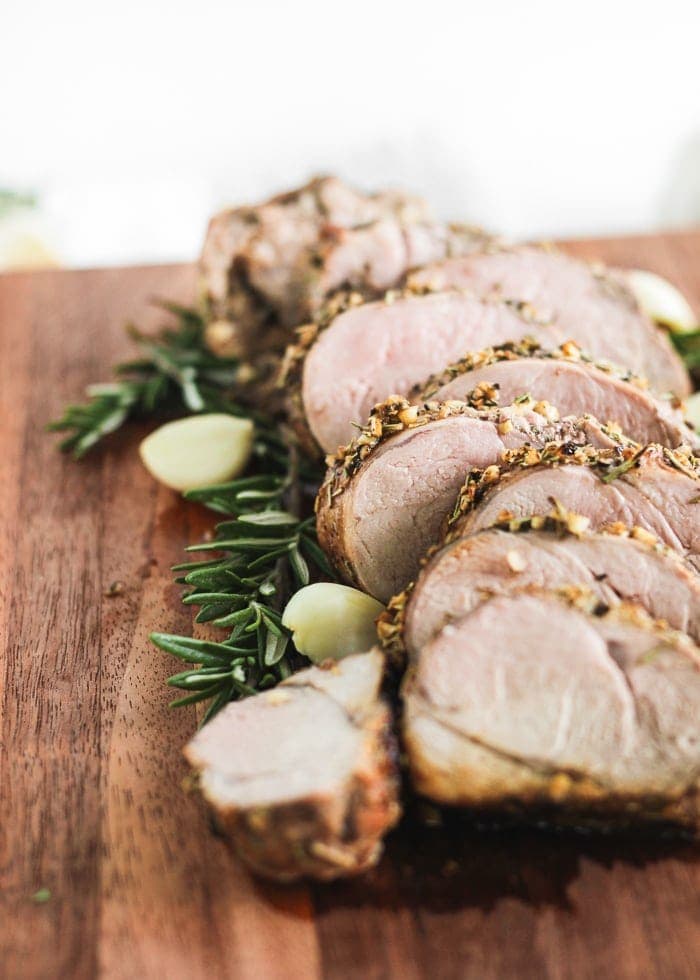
{"x":330,"y":621}
{"x":662,"y":301}
{"x":198,"y":451}
{"x":692,"y":410}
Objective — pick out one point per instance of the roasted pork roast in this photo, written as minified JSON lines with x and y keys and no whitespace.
{"x":358,"y":354}
{"x":569,"y":379}
{"x":554,"y":553}
{"x":654,"y":488}
{"x":586,"y":303}
{"x":537,"y":501}
{"x":542,"y":701}
{"x":386,"y":495}
{"x":303,"y":778}
{"x":266,"y":269}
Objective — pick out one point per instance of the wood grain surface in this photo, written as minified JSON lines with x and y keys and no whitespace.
{"x":91,"y":802}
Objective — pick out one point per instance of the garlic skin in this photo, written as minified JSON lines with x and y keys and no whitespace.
{"x":330,"y":621}
{"x":198,"y":451}
{"x":692,"y":410}
{"x":662,"y":301}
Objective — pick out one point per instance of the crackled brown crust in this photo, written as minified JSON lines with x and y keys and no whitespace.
{"x":565,"y":795}
{"x":266,"y":268}
{"x":559,"y":521}
{"x":528,"y":347}
{"x":246,"y":320}
{"x":386,"y":420}
{"x":325,"y":837}
{"x":254,"y":322}
{"x":608,"y":463}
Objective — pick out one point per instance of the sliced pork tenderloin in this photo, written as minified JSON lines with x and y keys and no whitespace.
{"x":569,"y":379}
{"x":266,"y":269}
{"x":654,"y":488}
{"x":357,"y":354}
{"x":387,"y":494}
{"x":303,"y":779}
{"x":553,"y":553}
{"x":540,"y":702}
{"x":587,"y":303}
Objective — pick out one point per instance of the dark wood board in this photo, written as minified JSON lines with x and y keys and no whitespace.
{"x":91,"y":802}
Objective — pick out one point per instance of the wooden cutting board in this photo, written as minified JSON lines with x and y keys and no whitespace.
{"x":91,"y":802}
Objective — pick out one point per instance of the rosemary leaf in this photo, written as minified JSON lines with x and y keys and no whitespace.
{"x":617,"y":471}
{"x":211,"y":612}
{"x":271,"y":518}
{"x":204,"y":695}
{"x":191,"y":650}
{"x":275,"y":647}
{"x":199,"y":679}
{"x":200,"y":598}
{"x":240,"y":616}
{"x":316,"y":555}
{"x":221,"y":699}
{"x":299,"y":565}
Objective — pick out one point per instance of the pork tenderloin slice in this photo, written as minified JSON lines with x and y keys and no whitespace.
{"x":628,"y":565}
{"x":387,"y":494}
{"x":587,"y":303}
{"x":655,"y":488}
{"x":362,"y":354}
{"x":531,"y":701}
{"x":269,"y":267}
{"x":567,"y":378}
{"x":375,"y":257}
{"x":303,"y":779}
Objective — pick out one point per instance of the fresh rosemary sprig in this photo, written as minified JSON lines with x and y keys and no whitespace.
{"x":265,"y":554}
{"x":176,"y":373}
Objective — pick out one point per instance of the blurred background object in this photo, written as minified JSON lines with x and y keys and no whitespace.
{"x":24,"y":238}
{"x":130,"y":123}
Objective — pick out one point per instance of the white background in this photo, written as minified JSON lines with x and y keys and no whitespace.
{"x":135,"y":120}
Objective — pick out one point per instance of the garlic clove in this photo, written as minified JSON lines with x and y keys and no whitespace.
{"x":692,"y":410}
{"x":198,"y":451}
{"x":330,"y":621}
{"x":662,"y":301}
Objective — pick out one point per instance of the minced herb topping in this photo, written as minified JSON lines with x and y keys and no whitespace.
{"x":397,"y":414}
{"x":559,"y":521}
{"x":528,"y":347}
{"x":611,"y":464}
